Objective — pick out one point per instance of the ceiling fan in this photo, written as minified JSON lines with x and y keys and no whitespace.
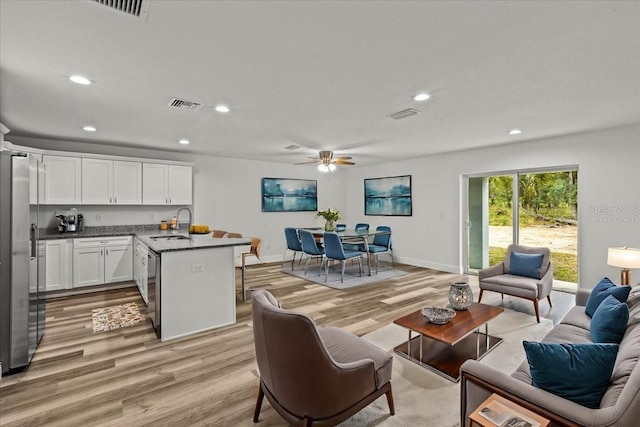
{"x":326,"y":162}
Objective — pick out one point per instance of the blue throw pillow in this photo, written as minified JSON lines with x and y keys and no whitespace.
{"x":525,"y":264}
{"x":577,"y":372}
{"x":602,"y":290}
{"x":609,"y":322}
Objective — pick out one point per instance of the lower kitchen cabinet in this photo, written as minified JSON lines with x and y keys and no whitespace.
{"x":102,"y":260}
{"x":58,"y":264}
{"x":140,"y":273}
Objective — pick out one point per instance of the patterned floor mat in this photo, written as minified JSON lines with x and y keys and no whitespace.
{"x":116,"y":316}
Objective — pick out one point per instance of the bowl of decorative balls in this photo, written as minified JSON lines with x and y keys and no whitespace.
{"x":438,"y":315}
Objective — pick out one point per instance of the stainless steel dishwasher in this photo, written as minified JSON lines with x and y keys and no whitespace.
{"x":153,"y":290}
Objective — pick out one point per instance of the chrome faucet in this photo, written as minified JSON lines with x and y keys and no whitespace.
{"x":178,"y":218}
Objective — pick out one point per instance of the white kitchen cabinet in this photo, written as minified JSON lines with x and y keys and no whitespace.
{"x":110,"y":182}
{"x":166,"y":184}
{"x":62,"y":182}
{"x":102,"y":260}
{"x":58,"y":264}
{"x":140,"y":268}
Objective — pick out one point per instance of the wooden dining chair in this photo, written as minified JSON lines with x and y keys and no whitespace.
{"x":254,"y":250}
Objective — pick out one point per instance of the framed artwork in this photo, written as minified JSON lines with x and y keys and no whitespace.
{"x":389,"y":196}
{"x":289,"y":195}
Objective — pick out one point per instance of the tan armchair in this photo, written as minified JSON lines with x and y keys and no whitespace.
{"x":312,"y":375}
{"x":497,"y":278}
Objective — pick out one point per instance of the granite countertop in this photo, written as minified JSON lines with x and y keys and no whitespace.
{"x":145,"y":233}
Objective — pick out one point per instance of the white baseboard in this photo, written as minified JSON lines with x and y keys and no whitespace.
{"x":456,"y":269}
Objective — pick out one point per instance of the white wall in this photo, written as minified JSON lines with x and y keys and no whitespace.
{"x":227,"y":195}
{"x":609,"y":174}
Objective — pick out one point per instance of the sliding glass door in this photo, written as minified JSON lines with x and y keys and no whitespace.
{"x":545,"y":214}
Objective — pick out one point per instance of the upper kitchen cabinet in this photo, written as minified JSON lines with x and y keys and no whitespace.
{"x":166,"y":184}
{"x":62,"y":182}
{"x":111,"y":182}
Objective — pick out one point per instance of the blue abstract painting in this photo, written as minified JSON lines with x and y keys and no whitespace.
{"x":289,"y":195}
{"x":389,"y":196}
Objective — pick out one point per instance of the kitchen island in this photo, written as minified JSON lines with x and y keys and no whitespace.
{"x":191,"y":282}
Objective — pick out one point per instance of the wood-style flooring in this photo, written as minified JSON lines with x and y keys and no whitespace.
{"x":127,"y":377}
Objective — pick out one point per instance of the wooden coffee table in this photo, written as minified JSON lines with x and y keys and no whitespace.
{"x":444,"y":348}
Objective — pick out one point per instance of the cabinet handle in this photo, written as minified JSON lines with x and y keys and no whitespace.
{"x":115,"y":200}
{"x":110,"y":200}
{"x":101,"y":252}
{"x":107,"y":251}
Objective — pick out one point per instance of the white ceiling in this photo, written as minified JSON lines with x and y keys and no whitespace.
{"x":323,"y":75}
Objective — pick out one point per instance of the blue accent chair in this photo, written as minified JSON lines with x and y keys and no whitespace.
{"x":362,"y":226}
{"x":293,"y":244}
{"x":381,"y":245}
{"x":341,"y":227}
{"x":335,"y":251}
{"x":310,"y":248}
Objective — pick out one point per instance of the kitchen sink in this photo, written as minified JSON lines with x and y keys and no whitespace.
{"x":169,"y":238}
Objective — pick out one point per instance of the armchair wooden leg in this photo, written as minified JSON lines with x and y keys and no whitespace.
{"x":256,"y":412}
{"x":535,"y":306}
{"x":306,"y":422}
{"x":480,"y":296}
{"x":392,"y":408}
{"x":549,"y":299}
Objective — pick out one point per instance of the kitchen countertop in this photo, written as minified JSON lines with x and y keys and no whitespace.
{"x":145,"y":232}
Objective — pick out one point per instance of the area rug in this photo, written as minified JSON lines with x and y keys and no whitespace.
{"x":115,"y":316}
{"x":351,"y":277}
{"x":423,"y":398}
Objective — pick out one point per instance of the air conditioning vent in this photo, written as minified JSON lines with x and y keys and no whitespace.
{"x":404,"y":113}
{"x":185,"y":105}
{"x":292,"y":147}
{"x":137,"y":8}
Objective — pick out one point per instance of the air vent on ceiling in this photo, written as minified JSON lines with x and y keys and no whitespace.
{"x":185,"y":105}
{"x":137,"y":8}
{"x":292,"y":147}
{"x":404,"y":113}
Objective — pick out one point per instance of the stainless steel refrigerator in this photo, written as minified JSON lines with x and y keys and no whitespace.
{"x":22,"y":284}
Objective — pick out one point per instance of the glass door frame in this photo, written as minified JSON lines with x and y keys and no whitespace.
{"x":515,"y":204}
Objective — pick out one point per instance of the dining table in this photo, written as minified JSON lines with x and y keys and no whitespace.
{"x":352,"y":236}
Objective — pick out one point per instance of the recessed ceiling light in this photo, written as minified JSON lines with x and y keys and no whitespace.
{"x":184,"y":141}
{"x":421,"y":97}
{"x":515,"y":131}
{"x":222,"y":108}
{"x":89,"y":128}
{"x":80,"y":80}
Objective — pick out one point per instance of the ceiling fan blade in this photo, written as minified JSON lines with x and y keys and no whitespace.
{"x":343,"y":162}
{"x":306,"y":163}
{"x":343,"y":158}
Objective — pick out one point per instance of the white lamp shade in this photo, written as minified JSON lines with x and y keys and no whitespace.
{"x":624,"y":257}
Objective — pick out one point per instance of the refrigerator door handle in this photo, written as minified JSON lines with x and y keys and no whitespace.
{"x":34,"y":242}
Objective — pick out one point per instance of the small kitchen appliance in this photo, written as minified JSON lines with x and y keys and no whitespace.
{"x":70,"y":220}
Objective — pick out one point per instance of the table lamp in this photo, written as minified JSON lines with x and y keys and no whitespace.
{"x":625,"y":258}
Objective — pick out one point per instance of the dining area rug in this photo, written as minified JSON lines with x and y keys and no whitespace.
{"x":351,"y":276}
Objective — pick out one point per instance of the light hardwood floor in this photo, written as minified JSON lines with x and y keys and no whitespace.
{"x":126,"y":377}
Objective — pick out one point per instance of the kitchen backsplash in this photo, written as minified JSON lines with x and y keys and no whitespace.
{"x":111,"y":215}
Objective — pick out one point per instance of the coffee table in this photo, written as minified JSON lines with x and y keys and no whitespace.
{"x":444,"y":348}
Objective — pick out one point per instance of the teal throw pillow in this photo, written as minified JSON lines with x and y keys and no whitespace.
{"x":602,"y":290}
{"x":609,"y":322}
{"x":525,"y":264}
{"x":580,"y":373}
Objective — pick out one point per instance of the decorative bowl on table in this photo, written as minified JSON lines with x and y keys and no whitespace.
{"x":438,"y":315}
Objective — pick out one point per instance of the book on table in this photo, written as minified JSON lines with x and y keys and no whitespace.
{"x":502,"y":416}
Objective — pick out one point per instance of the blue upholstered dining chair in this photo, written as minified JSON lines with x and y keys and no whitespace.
{"x":362,"y":226}
{"x":357,"y":247}
{"x":381,"y":245}
{"x":293,"y":244}
{"x":310,"y":248}
{"x":341,"y":227}
{"x":334,"y":250}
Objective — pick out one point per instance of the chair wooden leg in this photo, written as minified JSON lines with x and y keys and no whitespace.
{"x":306,"y":422}
{"x":256,"y":412}
{"x":535,"y":306}
{"x":480,"y":296}
{"x":392,"y":408}
{"x":549,"y":299}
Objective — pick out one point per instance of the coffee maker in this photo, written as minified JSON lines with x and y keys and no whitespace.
{"x":70,"y":220}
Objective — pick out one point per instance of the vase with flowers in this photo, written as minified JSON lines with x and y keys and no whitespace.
{"x":330,"y":216}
